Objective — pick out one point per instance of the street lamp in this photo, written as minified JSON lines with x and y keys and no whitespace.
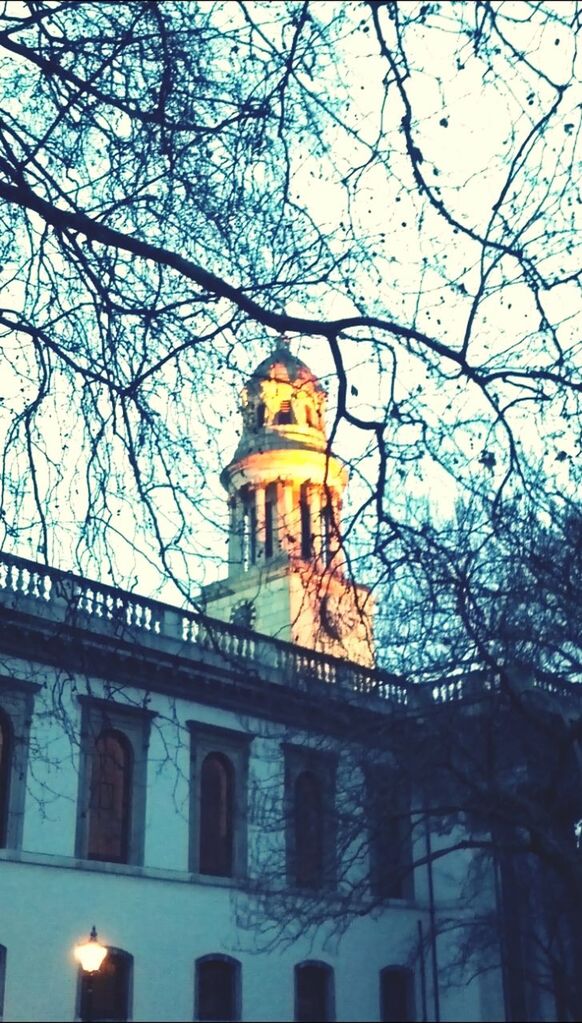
{"x":90,"y":954}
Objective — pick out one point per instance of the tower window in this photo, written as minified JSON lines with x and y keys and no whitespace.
{"x":285,"y":415}
{"x":270,"y":504}
{"x":314,"y":992}
{"x":216,"y":816}
{"x":260,"y":415}
{"x":249,"y":531}
{"x":326,"y":533}
{"x":305,"y":513}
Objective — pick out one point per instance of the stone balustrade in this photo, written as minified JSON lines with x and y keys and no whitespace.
{"x":51,"y":595}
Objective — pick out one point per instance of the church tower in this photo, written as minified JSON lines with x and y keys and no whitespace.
{"x":287,"y":572}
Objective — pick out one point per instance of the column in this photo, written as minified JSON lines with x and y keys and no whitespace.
{"x":235,"y":537}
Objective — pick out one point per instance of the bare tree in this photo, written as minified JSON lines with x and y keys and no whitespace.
{"x":388,"y":183}
{"x":474,"y":771}
{"x":390,"y":180}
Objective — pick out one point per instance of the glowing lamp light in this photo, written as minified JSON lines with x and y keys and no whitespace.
{"x":90,"y":954}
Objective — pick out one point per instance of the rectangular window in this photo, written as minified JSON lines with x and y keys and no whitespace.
{"x":270,"y":506}
{"x":305,"y":511}
{"x":326,"y":533}
{"x":112,"y":781}
{"x":249,"y":530}
{"x":218,"y":800}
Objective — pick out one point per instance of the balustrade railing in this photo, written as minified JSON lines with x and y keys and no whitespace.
{"x":73,"y":599}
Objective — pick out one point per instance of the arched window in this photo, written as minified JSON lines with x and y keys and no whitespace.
{"x":105,"y":995}
{"x":216,"y":815}
{"x":217,"y":986}
{"x":110,"y":798}
{"x":284,"y":416}
{"x":5,"y":773}
{"x":314,"y":993}
{"x":397,"y":995}
{"x":308,"y":828}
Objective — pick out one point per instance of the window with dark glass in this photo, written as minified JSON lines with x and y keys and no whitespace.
{"x":397,"y":995}
{"x":260,"y":415}
{"x":5,"y":773}
{"x":216,"y":816}
{"x":270,"y":504}
{"x":217,"y":988}
{"x":284,"y":416}
{"x":109,"y":816}
{"x":308,"y":830}
{"x":104,"y":995}
{"x":249,"y":531}
{"x":326,"y":533}
{"x":314,"y":1001}
{"x":305,"y":513}
{"x":390,"y":837}
{"x":218,"y":800}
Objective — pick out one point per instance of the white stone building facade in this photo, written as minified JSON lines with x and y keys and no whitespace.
{"x":158,"y":766}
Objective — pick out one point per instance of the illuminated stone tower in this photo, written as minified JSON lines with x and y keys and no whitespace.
{"x":286,"y":569}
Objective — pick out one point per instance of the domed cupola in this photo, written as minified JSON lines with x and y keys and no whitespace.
{"x":286,"y":568}
{"x":284,"y":484}
{"x":283,"y":405}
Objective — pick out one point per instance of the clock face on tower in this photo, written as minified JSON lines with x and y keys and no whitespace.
{"x":339,"y":615}
{"x":244,"y":614}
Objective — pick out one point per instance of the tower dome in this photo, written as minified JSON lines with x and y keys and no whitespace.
{"x":283,"y":406}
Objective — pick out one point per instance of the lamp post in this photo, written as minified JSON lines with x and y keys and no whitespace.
{"x":90,"y":954}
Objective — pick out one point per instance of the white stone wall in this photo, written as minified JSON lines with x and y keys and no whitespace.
{"x":158,"y":913}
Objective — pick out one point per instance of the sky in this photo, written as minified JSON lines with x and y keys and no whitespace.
{"x":397,"y":258}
